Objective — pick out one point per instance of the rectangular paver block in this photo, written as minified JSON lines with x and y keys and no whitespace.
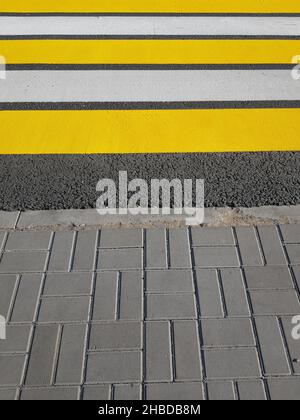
{"x":248,"y":245}
{"x":7,"y":394}
{"x":68,"y":284}
{"x":155,"y":251}
{"x":158,"y":351}
{"x":61,"y":251}
{"x":119,"y":259}
{"x":27,"y":298}
{"x":209,"y":293}
{"x":220,"y":391}
{"x":42,"y":355}
{"x":268,"y":277}
{"x":116,"y":336}
{"x":275,"y":302}
{"x":219,"y":256}
{"x":271,"y":345}
{"x":179,"y":248}
{"x":128,"y":392}
{"x":110,"y":367}
{"x":17,"y":338}
{"x":232,"y":363}
{"x":121,"y":238}
{"x":174,"y":306}
{"x":61,"y":309}
{"x":84,"y":253}
{"x":251,"y":390}
{"x":70,"y":357}
{"x":131,"y":296}
{"x":175,"y":391}
{"x":293,"y":252}
{"x":234,"y":292}
{"x":186,"y":348}
{"x":8,"y":219}
{"x":23,"y":262}
{"x":96,"y":392}
{"x":7,"y":286}
{"x":290,"y":233}
{"x":105,"y":297}
{"x":169,"y":281}
{"x":284,"y":389}
{"x":28,"y":241}
{"x":212,"y":236}
{"x":11,"y":368}
{"x":50,"y":394}
{"x":232,"y":332}
{"x":272,"y":247}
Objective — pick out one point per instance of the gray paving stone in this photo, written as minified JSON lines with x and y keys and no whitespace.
{"x":271,"y":345}
{"x":186,"y":348}
{"x":105,"y":298}
{"x":248,"y":245}
{"x":158,"y":351}
{"x":212,"y":236}
{"x":156,"y":248}
{"x":251,"y":390}
{"x":222,"y":256}
{"x":27,"y":298}
{"x":17,"y":337}
{"x":8,"y":219}
{"x":131,"y":296}
{"x":22,"y":262}
{"x":11,"y":368}
{"x":227,"y":332}
{"x":220,"y":391}
{"x":232,"y":363}
{"x":284,"y":389}
{"x":61,"y":251}
{"x":119,"y":259}
{"x":7,"y":394}
{"x":41,"y":359}
{"x":275,"y":302}
{"x":96,"y":392}
{"x":234,"y":292}
{"x":7,"y":285}
{"x":293,"y":253}
{"x":128,"y":392}
{"x":290,"y":234}
{"x":272,"y":247}
{"x":50,"y":394}
{"x":171,"y":306}
{"x":111,"y":367}
{"x":268,"y":277}
{"x":179,"y":248}
{"x":121,"y":238}
{"x":70,"y":358}
{"x":209,"y":293}
{"x":84,"y":253}
{"x":28,"y":241}
{"x":64,"y":309}
{"x":174,"y":391}
{"x":293,"y":345}
{"x":116,"y":336}
{"x":68,"y":284}
{"x":169,"y":281}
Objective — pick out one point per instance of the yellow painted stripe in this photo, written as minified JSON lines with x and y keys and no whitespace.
{"x":151,"y":131}
{"x":148,"y":6}
{"x":149,"y":51}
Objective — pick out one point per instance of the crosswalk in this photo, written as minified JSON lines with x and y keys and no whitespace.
{"x":167,"y":76}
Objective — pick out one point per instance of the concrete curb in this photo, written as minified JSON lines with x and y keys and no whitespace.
{"x":89,"y":219}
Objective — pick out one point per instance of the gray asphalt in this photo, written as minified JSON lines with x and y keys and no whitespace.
{"x":69,"y":181}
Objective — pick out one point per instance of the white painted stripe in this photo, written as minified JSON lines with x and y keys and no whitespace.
{"x":152,"y":86}
{"x":152,"y":25}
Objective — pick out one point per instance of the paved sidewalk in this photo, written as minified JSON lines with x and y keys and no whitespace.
{"x":202,"y":313}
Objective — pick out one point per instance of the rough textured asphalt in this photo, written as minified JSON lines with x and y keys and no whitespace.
{"x":68,"y":181}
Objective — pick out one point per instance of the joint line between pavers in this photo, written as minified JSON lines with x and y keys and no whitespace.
{"x":222,"y":293}
{"x":260,"y":245}
{"x":282,"y":244}
{"x":118,"y":295}
{"x":56,"y":354}
{"x":285,"y":346}
{"x":172,"y":351}
{"x":17,"y":220}
{"x":235,"y":390}
{"x":144,"y":314}
{"x":167,"y":247}
{"x":13,"y":298}
{"x":72,"y":251}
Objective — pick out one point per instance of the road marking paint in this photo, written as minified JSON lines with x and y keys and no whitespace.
{"x":150,"y":6}
{"x":154,"y":131}
{"x":149,"y":86}
{"x":149,"y":51}
{"x":151,"y":25}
